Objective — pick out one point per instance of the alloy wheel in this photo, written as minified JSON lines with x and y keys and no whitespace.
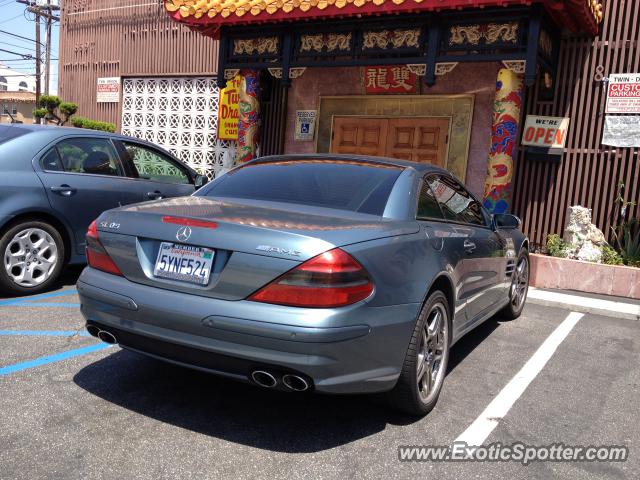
{"x":31,"y":257}
{"x":433,"y":349}
{"x":519,"y":284}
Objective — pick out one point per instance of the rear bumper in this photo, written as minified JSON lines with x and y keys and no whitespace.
{"x":356,"y":349}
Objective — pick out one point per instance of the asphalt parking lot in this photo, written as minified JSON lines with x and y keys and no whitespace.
{"x":74,"y":408}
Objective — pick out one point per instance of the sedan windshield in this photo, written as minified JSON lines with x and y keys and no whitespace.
{"x":346,"y":185}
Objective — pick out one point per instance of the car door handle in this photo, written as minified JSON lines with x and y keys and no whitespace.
{"x":64,"y":190}
{"x":469,"y":246}
{"x":155,"y":195}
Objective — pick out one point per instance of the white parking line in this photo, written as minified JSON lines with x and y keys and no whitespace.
{"x":480,"y":429}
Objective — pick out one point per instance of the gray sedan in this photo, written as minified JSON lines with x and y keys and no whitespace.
{"x":55,"y":181}
{"x":337,"y":274}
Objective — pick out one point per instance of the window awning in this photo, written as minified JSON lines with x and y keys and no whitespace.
{"x":579,"y":16}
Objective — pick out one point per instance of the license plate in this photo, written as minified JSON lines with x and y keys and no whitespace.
{"x":184,"y":263}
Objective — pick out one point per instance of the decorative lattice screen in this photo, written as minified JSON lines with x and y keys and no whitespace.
{"x":180,"y":115}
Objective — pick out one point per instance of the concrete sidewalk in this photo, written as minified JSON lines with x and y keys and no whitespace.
{"x":617,"y":307}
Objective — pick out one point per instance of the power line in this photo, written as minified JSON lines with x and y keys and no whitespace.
{"x":14,"y":45}
{"x":19,"y":36}
{"x":12,"y":18}
{"x":26,"y":56}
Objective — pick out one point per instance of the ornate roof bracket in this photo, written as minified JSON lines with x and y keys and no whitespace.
{"x":431,"y":44}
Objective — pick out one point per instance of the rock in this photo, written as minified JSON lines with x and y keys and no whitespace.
{"x":589,"y":252}
{"x":579,"y":227}
{"x":581,"y":236}
{"x":596,"y":236}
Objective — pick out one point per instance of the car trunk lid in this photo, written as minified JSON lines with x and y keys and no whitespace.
{"x":253,"y":243}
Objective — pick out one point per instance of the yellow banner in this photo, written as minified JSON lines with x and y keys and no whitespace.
{"x":229,"y":109}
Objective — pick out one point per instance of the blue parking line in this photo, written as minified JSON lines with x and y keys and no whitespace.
{"x":43,"y":333}
{"x":58,"y":357}
{"x":48,"y":304}
{"x":20,"y":300}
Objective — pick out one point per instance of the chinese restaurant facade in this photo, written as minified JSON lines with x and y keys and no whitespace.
{"x":456,"y":83}
{"x":441,"y":82}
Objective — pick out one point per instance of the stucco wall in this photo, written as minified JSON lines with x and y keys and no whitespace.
{"x":478,"y":79}
{"x":24,"y":115}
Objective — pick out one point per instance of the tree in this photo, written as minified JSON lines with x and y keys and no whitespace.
{"x":52,"y":109}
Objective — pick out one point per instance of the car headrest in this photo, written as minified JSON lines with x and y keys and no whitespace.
{"x":97,"y":162}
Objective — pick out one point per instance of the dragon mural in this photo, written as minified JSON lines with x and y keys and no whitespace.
{"x":504,"y":131}
{"x":249,"y":116}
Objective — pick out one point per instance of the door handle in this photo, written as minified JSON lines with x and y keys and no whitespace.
{"x":469,"y":246}
{"x":155,"y":195}
{"x":64,"y":190}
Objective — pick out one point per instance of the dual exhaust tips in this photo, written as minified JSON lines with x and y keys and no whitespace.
{"x":263,"y":378}
{"x":103,"y":335}
{"x":289,"y":380}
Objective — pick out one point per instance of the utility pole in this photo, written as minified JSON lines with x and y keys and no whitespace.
{"x":42,"y":8}
{"x":38,"y":87}
{"x":47,"y":62}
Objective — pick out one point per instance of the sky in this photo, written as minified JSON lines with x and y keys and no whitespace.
{"x":14,"y":19}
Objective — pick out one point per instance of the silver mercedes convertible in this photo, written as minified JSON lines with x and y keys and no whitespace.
{"x":327,"y":273}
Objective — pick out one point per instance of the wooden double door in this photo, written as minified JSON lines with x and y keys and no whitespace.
{"x":418,"y":139}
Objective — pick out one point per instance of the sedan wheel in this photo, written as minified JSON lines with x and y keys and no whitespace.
{"x":33,"y":257}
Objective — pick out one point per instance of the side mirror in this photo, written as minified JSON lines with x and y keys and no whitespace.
{"x":200,"y":181}
{"x":506,"y":221}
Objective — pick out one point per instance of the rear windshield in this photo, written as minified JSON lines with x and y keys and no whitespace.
{"x":345,"y":185}
{"x":9,"y":132}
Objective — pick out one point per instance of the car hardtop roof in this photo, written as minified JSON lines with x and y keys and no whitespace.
{"x":57,"y":131}
{"x":420,"y":167}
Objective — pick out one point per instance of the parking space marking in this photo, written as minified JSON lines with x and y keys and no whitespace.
{"x":23,"y":300}
{"x":44,"y":333}
{"x":50,"y":304}
{"x":58,"y":357}
{"x":480,"y":429}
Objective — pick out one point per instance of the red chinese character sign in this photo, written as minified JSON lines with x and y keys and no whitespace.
{"x":390,"y":79}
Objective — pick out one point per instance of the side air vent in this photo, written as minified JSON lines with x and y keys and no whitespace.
{"x":511,"y":266}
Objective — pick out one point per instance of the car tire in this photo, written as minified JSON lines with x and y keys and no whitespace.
{"x":427,"y":354}
{"x":518,"y":289}
{"x":33,"y":255}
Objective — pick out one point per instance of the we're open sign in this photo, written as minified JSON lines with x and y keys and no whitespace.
{"x":545,"y":132}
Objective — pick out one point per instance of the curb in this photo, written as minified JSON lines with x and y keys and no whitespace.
{"x":577,"y":303}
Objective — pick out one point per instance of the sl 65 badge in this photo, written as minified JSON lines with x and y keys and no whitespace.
{"x":112,"y":225}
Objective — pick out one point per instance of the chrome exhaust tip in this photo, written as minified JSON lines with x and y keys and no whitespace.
{"x":264,"y":379}
{"x":295,"y":383}
{"x":107,"y":337}
{"x":93,"y":330}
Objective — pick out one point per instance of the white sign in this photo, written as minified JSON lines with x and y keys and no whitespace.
{"x":623,"y":93}
{"x":108,"y":90}
{"x":48,"y":3}
{"x":305,"y":124}
{"x":621,"y":131}
{"x":545,"y":132}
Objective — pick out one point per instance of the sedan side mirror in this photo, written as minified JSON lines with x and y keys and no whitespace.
{"x":200,"y":181}
{"x":506,"y":221}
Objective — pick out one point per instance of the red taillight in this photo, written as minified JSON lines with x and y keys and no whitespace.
{"x":97,"y":256}
{"x":189,"y":222}
{"x":332,"y":279}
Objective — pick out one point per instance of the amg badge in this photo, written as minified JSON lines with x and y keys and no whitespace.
{"x":283,"y":251}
